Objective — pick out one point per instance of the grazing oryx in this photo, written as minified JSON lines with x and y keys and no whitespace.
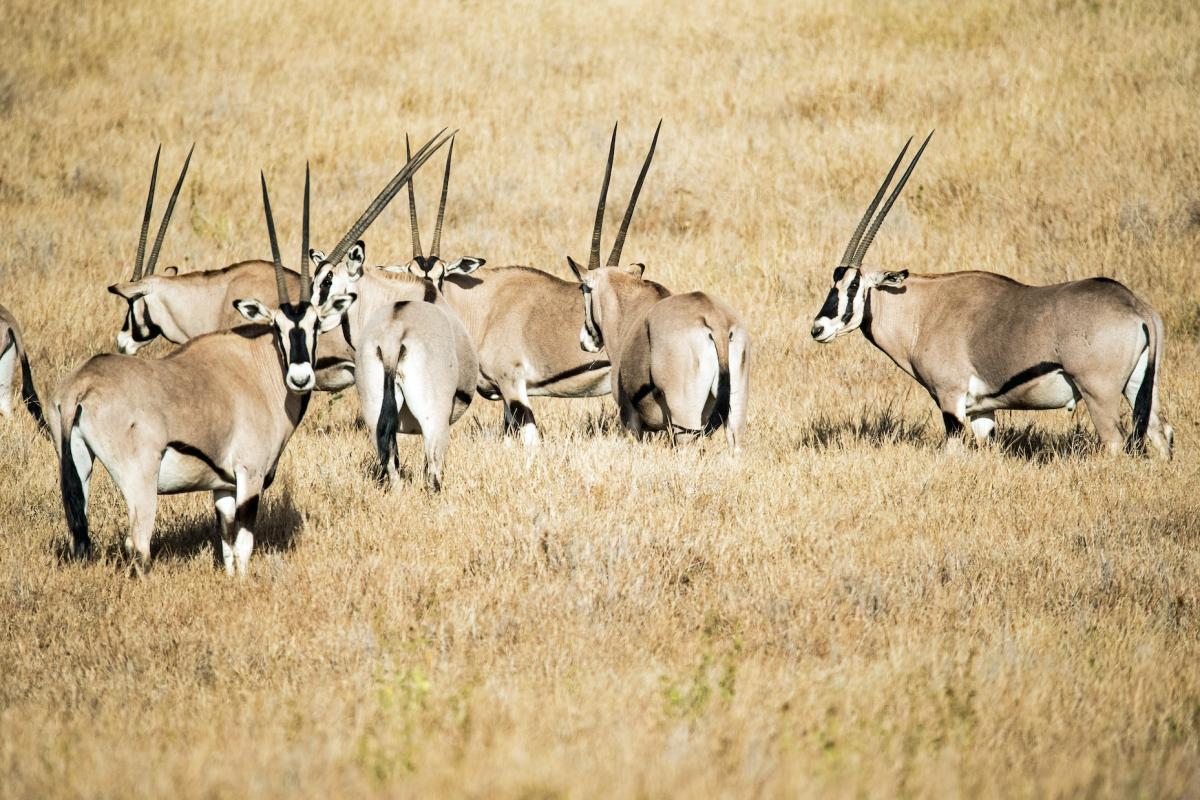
{"x":680,"y":361}
{"x":181,"y":307}
{"x":523,"y":324}
{"x":12,"y":353}
{"x":215,"y":415}
{"x":415,"y":363}
{"x":979,"y":342}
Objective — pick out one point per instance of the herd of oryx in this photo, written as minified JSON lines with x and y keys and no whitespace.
{"x":420,"y":340}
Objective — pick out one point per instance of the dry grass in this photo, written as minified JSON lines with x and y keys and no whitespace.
{"x":845,"y":611}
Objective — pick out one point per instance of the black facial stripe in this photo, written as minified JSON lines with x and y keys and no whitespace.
{"x":325,"y":289}
{"x":829,"y":310}
{"x":851,"y":293}
{"x":431,"y":292}
{"x":299,"y":347}
{"x":839,"y":273}
{"x":144,"y":330}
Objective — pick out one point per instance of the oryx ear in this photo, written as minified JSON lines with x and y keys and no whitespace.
{"x":317,"y":257}
{"x":253,"y":310}
{"x":635,"y":270}
{"x":464,"y":266}
{"x":170,"y":272}
{"x":356,"y":259}
{"x":889,"y":280}
{"x":130,"y":291}
{"x":578,"y":270}
{"x":333,"y":309}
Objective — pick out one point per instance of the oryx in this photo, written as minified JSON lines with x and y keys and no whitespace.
{"x":415,"y":364}
{"x":979,"y":342}
{"x":12,"y":355}
{"x":180,"y":307}
{"x":215,"y":415}
{"x":522,"y":322}
{"x":680,"y":361}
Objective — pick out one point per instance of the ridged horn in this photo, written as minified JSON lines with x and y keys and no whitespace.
{"x":166,"y":220}
{"x":141,"y":250}
{"x":384,"y":197}
{"x":848,"y":256}
{"x":280,"y":284}
{"x":412,"y":207}
{"x":614,"y":258}
{"x":305,"y":277}
{"x":594,"y":255}
{"x":435,"y":249}
{"x":883,"y":212}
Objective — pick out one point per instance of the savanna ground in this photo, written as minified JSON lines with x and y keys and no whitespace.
{"x":844,"y":611}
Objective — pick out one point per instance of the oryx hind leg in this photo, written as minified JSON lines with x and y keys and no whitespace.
{"x":687,"y":371}
{"x":739,"y":389}
{"x":983,"y":425}
{"x":1104,"y":407}
{"x":138,"y":481}
{"x":8,"y":372}
{"x":225,"y":504}
{"x":432,"y":410}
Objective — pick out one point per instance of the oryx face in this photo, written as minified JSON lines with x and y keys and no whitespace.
{"x":846,"y":304}
{"x":590,"y":338}
{"x":435,"y":270}
{"x":139,"y":328}
{"x":296,"y":326}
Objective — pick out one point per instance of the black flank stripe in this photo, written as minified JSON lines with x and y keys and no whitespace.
{"x":571,"y":373}
{"x":195,"y":452}
{"x":1026,"y":375}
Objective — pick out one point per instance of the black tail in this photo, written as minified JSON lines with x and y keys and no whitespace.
{"x":720,"y":414}
{"x":29,"y":395}
{"x":74,"y":503}
{"x":385,"y":426}
{"x":1143,"y":403}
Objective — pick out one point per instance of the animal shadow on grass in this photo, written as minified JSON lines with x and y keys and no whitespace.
{"x":600,"y":423}
{"x":1040,"y":446}
{"x":183,"y":538}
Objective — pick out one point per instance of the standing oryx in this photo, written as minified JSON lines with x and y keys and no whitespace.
{"x":680,"y":362}
{"x":523,"y":324}
{"x":12,"y":354}
{"x":215,"y":415}
{"x":979,"y":342}
{"x":415,"y":364}
{"x":182,"y":307}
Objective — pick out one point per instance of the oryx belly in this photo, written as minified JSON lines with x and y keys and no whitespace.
{"x":186,"y":469}
{"x":1043,"y":388}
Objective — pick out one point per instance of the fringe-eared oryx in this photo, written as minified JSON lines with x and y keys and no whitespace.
{"x":12,"y":356}
{"x":979,"y":342}
{"x":680,"y":362}
{"x":415,"y":363}
{"x":181,"y":307}
{"x":215,"y":415}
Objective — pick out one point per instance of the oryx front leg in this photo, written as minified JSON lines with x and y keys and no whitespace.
{"x":225,"y":503}
{"x":249,"y":489}
{"x":983,"y":426}
{"x":8,"y":373}
{"x":518,"y":413}
{"x":954,"y":418}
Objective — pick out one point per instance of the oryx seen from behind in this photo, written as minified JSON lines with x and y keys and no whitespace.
{"x":14,"y":357}
{"x":680,"y":362}
{"x":415,"y":364}
{"x":180,"y":307}
{"x":213,"y":416}
{"x":979,"y":342}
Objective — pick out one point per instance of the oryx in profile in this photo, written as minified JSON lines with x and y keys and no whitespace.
{"x":680,"y":362}
{"x":979,"y":342}
{"x":213,"y":416}
{"x":180,"y":307}
{"x":13,"y":355}
{"x":415,"y":363}
{"x":523,"y":323}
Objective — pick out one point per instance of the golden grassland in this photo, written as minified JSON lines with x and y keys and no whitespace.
{"x":845,"y":610}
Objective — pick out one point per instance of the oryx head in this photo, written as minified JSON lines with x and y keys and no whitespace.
{"x":431,"y":267}
{"x":296,"y":325}
{"x":598,"y":283}
{"x":846,"y":304}
{"x":140,"y":328}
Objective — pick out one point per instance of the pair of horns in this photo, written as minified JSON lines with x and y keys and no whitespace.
{"x":857,"y":248}
{"x":435,"y":248}
{"x":138,"y":272}
{"x":305,"y":278}
{"x":614,"y":258}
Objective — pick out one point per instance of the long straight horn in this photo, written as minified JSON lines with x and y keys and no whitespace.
{"x":384,"y":197}
{"x":141,"y":251}
{"x":883,"y":212}
{"x":594,"y":256}
{"x":305,"y":278}
{"x":412,"y":206}
{"x":166,"y":220}
{"x":280,"y":285}
{"x":848,"y":256}
{"x":435,"y":249}
{"x":614,"y":258}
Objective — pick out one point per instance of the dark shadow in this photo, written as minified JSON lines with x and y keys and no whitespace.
{"x":877,"y":429}
{"x":601,"y":423}
{"x":1041,"y":447}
